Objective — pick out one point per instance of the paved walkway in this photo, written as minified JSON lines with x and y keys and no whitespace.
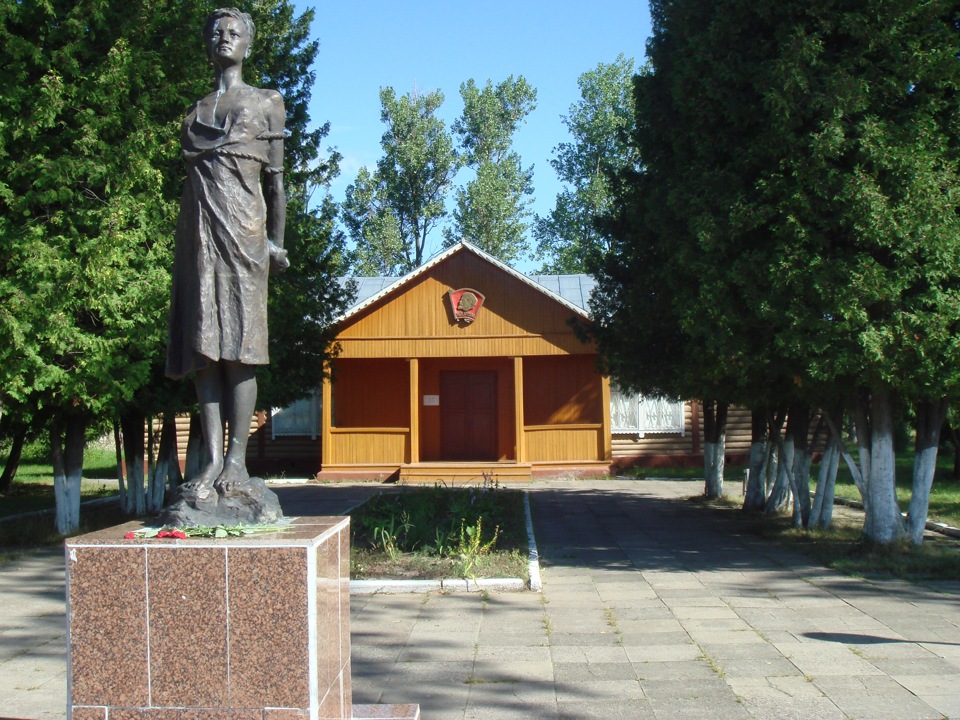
{"x":652,"y":608}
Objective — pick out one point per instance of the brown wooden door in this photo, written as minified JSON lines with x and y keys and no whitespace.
{"x":468,"y":415}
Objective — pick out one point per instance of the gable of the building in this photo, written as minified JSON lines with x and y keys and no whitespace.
{"x":414,"y":317}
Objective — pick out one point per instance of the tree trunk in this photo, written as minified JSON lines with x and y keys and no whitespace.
{"x":821,"y":515}
{"x":862,"y":424}
{"x":66,"y":449}
{"x":930,"y":417}
{"x":714,"y":447}
{"x":118,"y":446}
{"x":196,"y":450}
{"x":883,"y":523}
{"x":13,"y":459}
{"x":955,"y":441}
{"x":771,"y":468}
{"x":755,"y":496}
{"x":780,"y":493}
{"x":847,"y":458}
{"x":797,"y":427}
{"x":132,"y":423}
{"x":167,"y":467}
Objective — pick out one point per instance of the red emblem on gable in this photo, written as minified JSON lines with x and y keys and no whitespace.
{"x":465,"y":303}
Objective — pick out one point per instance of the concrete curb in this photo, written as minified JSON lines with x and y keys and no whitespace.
{"x":534,"y":568}
{"x":373,"y":587}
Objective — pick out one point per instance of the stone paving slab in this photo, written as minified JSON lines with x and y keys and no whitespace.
{"x":650,"y":609}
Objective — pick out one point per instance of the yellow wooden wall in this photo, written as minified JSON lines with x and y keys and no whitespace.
{"x":561,"y":390}
{"x":564,"y":443}
{"x":369,"y":446}
{"x":416,"y":321}
{"x":371,"y":393}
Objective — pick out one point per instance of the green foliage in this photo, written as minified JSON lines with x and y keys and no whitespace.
{"x":390,"y":213}
{"x":89,"y":128}
{"x":794,"y":221}
{"x":373,"y":226}
{"x":600,"y":123}
{"x":306,"y":298}
{"x":471,"y":546}
{"x":440,"y":521}
{"x":433,"y":532}
{"x":492,"y":209}
{"x":82,"y":201}
{"x":791,"y":235}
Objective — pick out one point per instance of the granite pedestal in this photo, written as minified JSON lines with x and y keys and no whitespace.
{"x":255,"y":627}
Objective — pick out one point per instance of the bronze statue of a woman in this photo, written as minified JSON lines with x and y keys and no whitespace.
{"x":229,"y":232}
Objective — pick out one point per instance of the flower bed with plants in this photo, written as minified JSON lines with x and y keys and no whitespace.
{"x":440,"y":532}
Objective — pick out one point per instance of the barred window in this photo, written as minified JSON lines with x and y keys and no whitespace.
{"x":636,"y":414}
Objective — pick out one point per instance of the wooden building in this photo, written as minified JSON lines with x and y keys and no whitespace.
{"x":466,"y":368}
{"x":461,"y":369}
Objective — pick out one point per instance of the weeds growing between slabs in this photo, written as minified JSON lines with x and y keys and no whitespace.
{"x":438,"y":532}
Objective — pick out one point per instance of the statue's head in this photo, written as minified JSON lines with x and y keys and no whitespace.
{"x":214,"y":21}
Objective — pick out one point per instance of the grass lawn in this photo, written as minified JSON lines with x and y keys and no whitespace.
{"x":842,"y":547}
{"x":944,"y":495}
{"x":32,"y":488}
{"x":439,"y":532}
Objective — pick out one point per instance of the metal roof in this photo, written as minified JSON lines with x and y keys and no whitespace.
{"x":570,"y":290}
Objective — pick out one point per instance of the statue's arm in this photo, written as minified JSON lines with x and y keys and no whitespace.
{"x":273,"y":181}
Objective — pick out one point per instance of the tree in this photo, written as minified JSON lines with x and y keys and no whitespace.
{"x":492,"y":208}
{"x":89,"y":129}
{"x":374,"y":227}
{"x":600,"y":123}
{"x":82,"y":202}
{"x":799,"y":170}
{"x":391,"y":212}
{"x":865,"y":206}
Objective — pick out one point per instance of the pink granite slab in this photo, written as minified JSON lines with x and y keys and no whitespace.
{"x":238,"y":628}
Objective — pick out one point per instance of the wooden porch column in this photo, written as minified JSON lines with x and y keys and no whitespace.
{"x":414,"y":410}
{"x":326,"y":422}
{"x":518,"y":409}
{"x":606,"y":441}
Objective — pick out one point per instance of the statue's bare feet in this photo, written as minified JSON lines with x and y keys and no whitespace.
{"x":202,"y":485}
{"x":233,"y":476}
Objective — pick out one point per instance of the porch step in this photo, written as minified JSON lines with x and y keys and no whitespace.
{"x":467,"y":473}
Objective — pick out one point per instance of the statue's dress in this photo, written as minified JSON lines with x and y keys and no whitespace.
{"x":218,"y":307}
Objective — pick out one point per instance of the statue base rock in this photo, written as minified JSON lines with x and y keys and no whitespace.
{"x":252,"y":503}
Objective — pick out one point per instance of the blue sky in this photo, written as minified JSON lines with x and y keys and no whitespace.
{"x":437,"y":45}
